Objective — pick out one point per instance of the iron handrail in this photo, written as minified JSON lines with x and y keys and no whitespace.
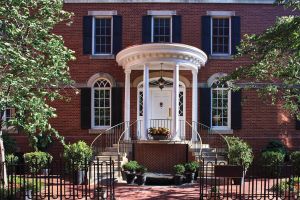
{"x":197,"y":134}
{"x":215,"y":132}
{"x":127,"y":129}
{"x":105,"y":132}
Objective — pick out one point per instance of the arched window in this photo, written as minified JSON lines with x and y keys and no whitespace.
{"x":220,"y":109}
{"x":101,"y":104}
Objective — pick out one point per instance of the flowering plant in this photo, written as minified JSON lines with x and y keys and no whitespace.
{"x":159,"y":131}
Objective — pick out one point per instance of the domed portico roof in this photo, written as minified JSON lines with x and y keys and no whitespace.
{"x":135,"y":57}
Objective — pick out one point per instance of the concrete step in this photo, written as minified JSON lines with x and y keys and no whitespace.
{"x":111,"y":149}
{"x":111,"y":153}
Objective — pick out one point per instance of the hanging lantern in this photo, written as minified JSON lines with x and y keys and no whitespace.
{"x":161,"y":81}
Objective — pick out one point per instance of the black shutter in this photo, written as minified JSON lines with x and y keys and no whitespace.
{"x":85,"y":108}
{"x":297,"y":124}
{"x":206,"y":34}
{"x":205,"y":106}
{"x":236,"y":110}
{"x":235,"y":33}
{"x":116,"y":106}
{"x":87,"y":34}
{"x":146,"y":37}
{"x":117,"y":34}
{"x":176,"y":26}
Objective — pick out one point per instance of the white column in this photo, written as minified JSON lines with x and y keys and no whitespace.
{"x":146,"y":105}
{"x":195,"y":103}
{"x":175,"y":103}
{"x":127,"y":104}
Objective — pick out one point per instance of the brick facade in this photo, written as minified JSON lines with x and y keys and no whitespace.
{"x":260,"y":122}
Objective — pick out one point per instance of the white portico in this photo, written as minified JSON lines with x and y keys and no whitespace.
{"x":175,"y":57}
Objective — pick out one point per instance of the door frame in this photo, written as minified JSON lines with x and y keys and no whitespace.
{"x":182,"y":88}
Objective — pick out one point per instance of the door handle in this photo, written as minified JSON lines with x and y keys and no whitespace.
{"x":170,"y":112}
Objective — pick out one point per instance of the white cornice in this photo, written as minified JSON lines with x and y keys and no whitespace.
{"x":135,"y":57}
{"x":174,"y":1}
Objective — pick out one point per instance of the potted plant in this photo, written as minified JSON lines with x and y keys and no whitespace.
{"x":130,"y":169}
{"x":11,"y":161}
{"x":179,"y":171}
{"x":38,"y":161}
{"x":159,"y":133}
{"x":190,"y":170}
{"x":77,"y":157}
{"x":141,"y":175}
{"x":239,"y":153}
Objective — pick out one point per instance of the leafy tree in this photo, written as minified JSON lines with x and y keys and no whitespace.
{"x":275,"y":56}
{"x":33,"y":63}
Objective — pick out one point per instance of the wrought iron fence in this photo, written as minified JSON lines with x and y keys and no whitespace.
{"x":221,"y":181}
{"x":59,"y":180}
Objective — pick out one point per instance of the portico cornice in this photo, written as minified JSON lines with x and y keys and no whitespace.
{"x":135,"y":57}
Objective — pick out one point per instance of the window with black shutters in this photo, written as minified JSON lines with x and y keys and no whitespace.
{"x":162,"y":29}
{"x":103,"y":38}
{"x":221,"y":35}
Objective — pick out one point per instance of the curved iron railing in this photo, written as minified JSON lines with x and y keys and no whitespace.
{"x":107,"y":138}
{"x":212,"y":137}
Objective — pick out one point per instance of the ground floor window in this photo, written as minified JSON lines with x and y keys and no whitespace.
{"x":101,"y":96}
{"x":220,"y":109}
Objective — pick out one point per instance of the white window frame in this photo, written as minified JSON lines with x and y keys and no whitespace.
{"x":228,"y":127}
{"x":4,"y":118}
{"x":93,"y":34}
{"x":171,"y":26}
{"x":211,"y":35}
{"x":93,"y":104}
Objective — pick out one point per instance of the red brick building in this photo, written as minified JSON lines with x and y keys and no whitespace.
{"x":122,"y":44}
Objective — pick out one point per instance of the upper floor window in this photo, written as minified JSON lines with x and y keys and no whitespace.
{"x":220,"y":109}
{"x":162,"y":29}
{"x":103,"y":38}
{"x":101,"y":101}
{"x":221,"y":33}
{"x":221,"y":36}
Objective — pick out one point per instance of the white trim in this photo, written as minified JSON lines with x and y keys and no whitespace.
{"x":93,"y":35}
{"x":93,"y":106}
{"x":102,"y":13}
{"x":221,"y":13}
{"x":161,"y":12}
{"x":175,"y":1}
{"x":182,"y":88}
{"x":228,"y":127}
{"x":214,"y":77}
{"x":211,"y":37}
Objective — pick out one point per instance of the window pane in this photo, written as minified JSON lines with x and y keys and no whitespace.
{"x":161,"y":29}
{"x":220,"y":41}
{"x":103,"y":36}
{"x":219,"y":105}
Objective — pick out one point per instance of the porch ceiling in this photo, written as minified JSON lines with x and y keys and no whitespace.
{"x":135,"y":57}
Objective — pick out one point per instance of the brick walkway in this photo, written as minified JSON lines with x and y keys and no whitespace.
{"x":127,"y":192}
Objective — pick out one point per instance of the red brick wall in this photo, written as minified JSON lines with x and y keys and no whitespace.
{"x":261,"y":122}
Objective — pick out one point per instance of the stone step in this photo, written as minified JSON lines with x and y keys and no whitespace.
{"x":111,"y":149}
{"x":106,"y":157}
{"x":111,"y":153}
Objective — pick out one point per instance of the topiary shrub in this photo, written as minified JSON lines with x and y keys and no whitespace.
{"x":272,"y":158}
{"x":77,"y":155}
{"x":239,"y":152}
{"x":37,"y":160}
{"x":276,"y":146}
{"x":295,"y":160}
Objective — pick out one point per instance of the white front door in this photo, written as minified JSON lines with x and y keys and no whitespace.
{"x":161,"y":104}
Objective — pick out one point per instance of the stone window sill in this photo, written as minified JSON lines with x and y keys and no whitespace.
{"x":221,"y":57}
{"x":103,"y":57}
{"x":97,"y":131}
{"x":224,"y":131}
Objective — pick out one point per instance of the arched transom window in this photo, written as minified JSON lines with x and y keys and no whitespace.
{"x":101,"y":115}
{"x":220,"y":109}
